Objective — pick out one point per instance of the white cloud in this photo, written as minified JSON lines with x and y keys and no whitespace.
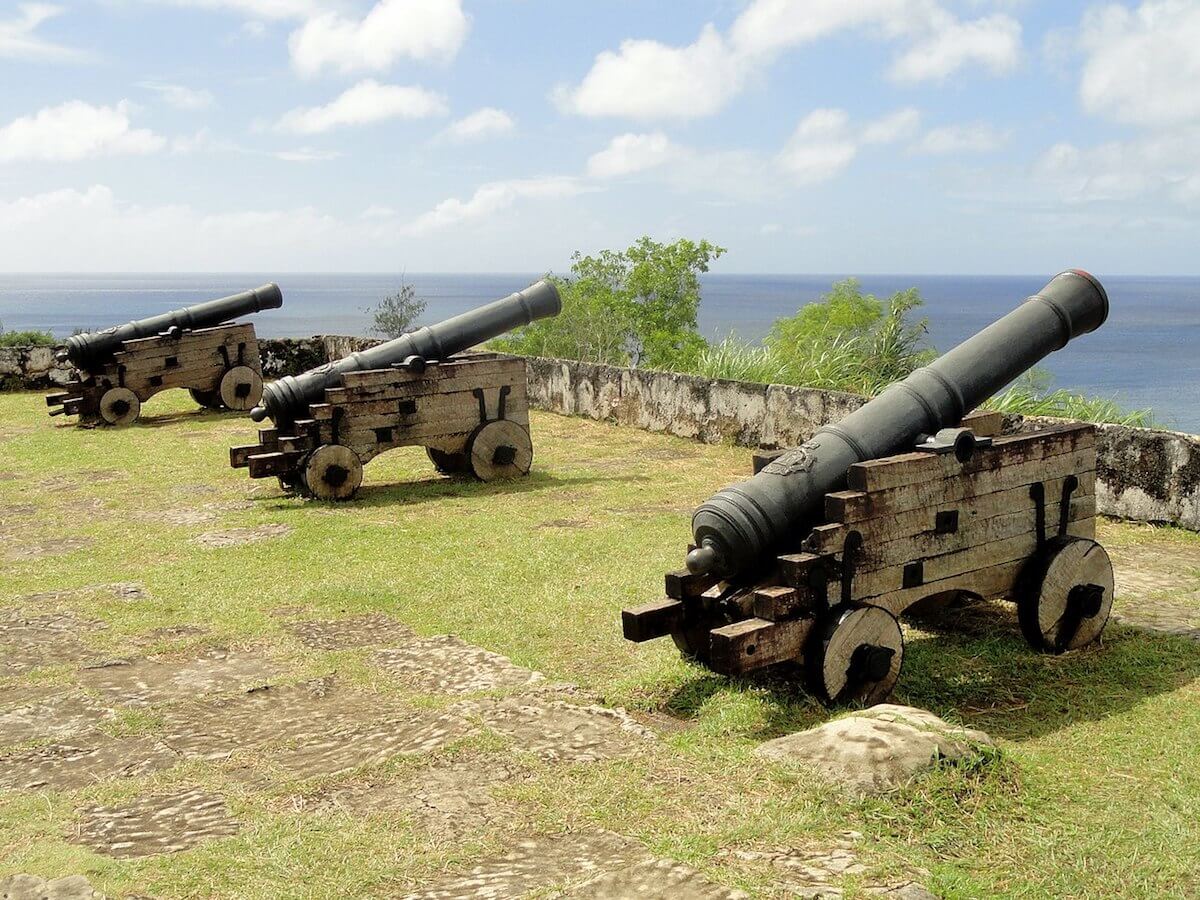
{"x":977,"y":137}
{"x":1142,"y":65}
{"x":75,"y":131}
{"x":650,"y":80}
{"x":1149,"y":169}
{"x":646,"y":79}
{"x":179,"y":96}
{"x":819,"y":148}
{"x":992,"y":43}
{"x":366,"y":102}
{"x":630,"y":153}
{"x":897,"y":126}
{"x":18,"y":40}
{"x":490,"y":199}
{"x":418,"y":29}
{"x":483,"y":123}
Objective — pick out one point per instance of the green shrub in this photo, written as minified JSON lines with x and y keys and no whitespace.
{"x":26,"y":338}
{"x":397,"y":313}
{"x":635,"y":306}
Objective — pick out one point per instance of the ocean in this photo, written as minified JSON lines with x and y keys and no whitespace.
{"x":1147,"y":355}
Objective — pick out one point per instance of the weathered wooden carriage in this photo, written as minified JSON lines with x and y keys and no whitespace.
{"x":816,"y":556}
{"x":469,"y":410}
{"x":219,"y":366}
{"x":117,"y":370}
{"x":470,"y":413}
{"x":1008,"y":517}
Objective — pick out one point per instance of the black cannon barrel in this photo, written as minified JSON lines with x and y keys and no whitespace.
{"x":736,"y":527}
{"x":96,"y":346}
{"x":288,"y":398}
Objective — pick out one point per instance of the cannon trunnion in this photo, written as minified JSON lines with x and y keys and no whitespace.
{"x":471,"y":414}
{"x":118,"y":369}
{"x":993,"y":516}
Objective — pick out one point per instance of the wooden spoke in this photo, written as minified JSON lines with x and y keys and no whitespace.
{"x":500,"y":449}
{"x":207,"y":399}
{"x":449,"y":462}
{"x":241,"y":388}
{"x":120,"y":406}
{"x":333,"y":472}
{"x":856,"y":657}
{"x":1065,"y":595}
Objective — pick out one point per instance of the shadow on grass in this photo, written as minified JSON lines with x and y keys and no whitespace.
{"x":971,"y":665}
{"x":408,"y":493}
{"x":199,"y":414}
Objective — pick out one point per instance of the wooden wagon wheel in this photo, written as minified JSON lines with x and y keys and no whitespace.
{"x":332,"y":472}
{"x":449,"y":462}
{"x":856,"y":656}
{"x":500,"y":449}
{"x":1065,"y":595}
{"x":120,"y":406}
{"x":241,"y":388}
{"x":207,"y":399}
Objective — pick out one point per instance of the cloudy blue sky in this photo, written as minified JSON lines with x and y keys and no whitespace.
{"x":913,"y":136}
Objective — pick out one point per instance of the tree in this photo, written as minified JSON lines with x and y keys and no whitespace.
{"x":397,"y":313}
{"x":635,"y":306}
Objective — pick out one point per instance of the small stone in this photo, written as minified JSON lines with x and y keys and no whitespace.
{"x":878,"y":749}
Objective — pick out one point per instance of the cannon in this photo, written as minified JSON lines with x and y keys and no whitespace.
{"x":910,"y":500}
{"x":118,"y":369}
{"x":468,"y":409}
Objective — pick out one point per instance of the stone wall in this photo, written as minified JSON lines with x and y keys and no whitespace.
{"x":1144,"y":475}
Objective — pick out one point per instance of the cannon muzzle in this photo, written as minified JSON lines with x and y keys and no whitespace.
{"x":288,"y":398}
{"x":738,"y":526}
{"x":84,"y":350}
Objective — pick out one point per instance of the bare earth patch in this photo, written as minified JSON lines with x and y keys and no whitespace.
{"x":47,"y":712}
{"x":565,"y":523}
{"x":446,"y":664}
{"x":179,"y":516}
{"x":315,"y":728}
{"x":816,"y":873}
{"x":371,"y":630}
{"x":83,"y":762}
{"x":596,"y":864}
{"x":557,"y":730}
{"x":158,"y":824}
{"x":449,"y":799}
{"x":140,"y":682}
{"x":40,"y":549}
{"x":121,"y":590}
{"x":235,"y":537}
{"x":34,"y":887}
{"x":27,"y":642}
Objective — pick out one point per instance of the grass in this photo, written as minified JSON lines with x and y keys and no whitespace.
{"x":1096,"y":791}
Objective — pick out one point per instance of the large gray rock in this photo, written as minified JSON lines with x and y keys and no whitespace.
{"x":878,"y":749}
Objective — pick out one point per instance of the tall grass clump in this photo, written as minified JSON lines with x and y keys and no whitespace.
{"x":846,"y":341}
{"x":1032,"y":395}
{"x":26,"y":338}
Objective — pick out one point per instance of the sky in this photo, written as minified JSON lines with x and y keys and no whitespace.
{"x":846,"y":136}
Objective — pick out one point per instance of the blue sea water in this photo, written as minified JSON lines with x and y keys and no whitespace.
{"x":1147,"y":355}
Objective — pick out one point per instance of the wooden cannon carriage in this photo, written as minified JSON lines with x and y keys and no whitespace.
{"x":219,"y":366}
{"x":994,"y":516}
{"x":471,"y":413}
{"x":120,"y":368}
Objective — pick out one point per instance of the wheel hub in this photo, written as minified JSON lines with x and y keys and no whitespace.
{"x":869,"y":663}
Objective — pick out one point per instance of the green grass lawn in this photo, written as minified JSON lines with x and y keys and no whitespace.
{"x":1096,"y":791}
